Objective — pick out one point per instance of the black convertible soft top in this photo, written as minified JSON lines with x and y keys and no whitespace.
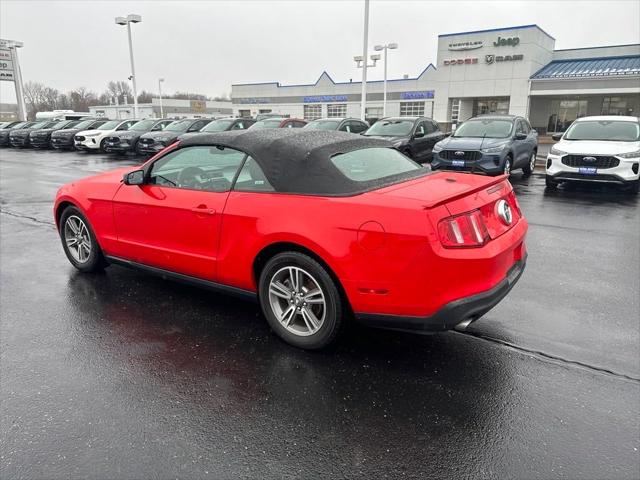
{"x":299,"y":161}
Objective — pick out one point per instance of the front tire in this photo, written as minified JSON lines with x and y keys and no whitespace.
{"x":528,"y":169}
{"x":301,"y":301}
{"x":79,"y":242}
{"x":507,"y":166}
{"x":550,"y":183}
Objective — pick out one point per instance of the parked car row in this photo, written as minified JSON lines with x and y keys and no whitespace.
{"x":603,"y":149}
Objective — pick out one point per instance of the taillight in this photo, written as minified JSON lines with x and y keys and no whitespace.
{"x":466,"y":230}
{"x":511,"y":198}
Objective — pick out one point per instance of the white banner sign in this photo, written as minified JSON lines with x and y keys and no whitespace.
{"x":7,"y":75}
{"x":6,"y":65}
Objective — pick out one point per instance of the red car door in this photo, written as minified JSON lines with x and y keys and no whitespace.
{"x":173,"y":220}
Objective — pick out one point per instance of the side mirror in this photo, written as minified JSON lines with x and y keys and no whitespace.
{"x":556,"y":136}
{"x":418,"y":135}
{"x":521,"y":136}
{"x":134,"y":178}
{"x":448,"y":134}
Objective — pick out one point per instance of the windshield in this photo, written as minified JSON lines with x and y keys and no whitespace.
{"x":485,"y":129}
{"x":390,"y":128}
{"x":261,"y":125}
{"x":69,"y":124}
{"x":82,"y":125}
{"x":37,"y":125}
{"x":373,"y":164}
{"x":323,"y":125}
{"x":178,"y":126}
{"x":144,"y":125}
{"x":109,"y":125}
{"x":604,"y":130}
{"x":20,"y":125}
{"x":217,"y":126}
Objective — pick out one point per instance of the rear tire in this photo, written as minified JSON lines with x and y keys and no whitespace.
{"x":301,"y":301}
{"x":550,"y":183}
{"x":102,"y":145}
{"x":79,"y":242}
{"x":528,"y":169}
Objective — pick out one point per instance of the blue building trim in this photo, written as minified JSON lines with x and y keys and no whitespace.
{"x":625,"y":65}
{"x":277,"y":84}
{"x":502,"y":29}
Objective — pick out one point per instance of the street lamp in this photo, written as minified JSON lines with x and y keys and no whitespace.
{"x":160,"y":80}
{"x":128,"y":20}
{"x":361,"y":62}
{"x":365,"y":47}
{"x":377,"y":48}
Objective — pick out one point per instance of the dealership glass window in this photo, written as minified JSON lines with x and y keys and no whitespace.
{"x":198,"y":168}
{"x":244,"y":113}
{"x":616,"y":106}
{"x":411,"y":109}
{"x":483,"y":106}
{"x":312,"y":112}
{"x":337,"y":110}
{"x":563,"y":113}
{"x":264,"y":110}
{"x":373,"y":113}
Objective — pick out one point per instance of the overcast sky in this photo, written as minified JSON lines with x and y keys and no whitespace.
{"x":205,"y":46}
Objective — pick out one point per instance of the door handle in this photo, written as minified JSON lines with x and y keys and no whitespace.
{"x":203,"y":210}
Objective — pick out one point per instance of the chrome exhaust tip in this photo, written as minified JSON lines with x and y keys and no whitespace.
{"x":462,"y":326}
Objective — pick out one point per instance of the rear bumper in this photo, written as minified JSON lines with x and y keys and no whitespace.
{"x":453,"y":313}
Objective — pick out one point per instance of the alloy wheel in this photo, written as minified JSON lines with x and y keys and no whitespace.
{"x":77,"y":239}
{"x":297,"y":301}
{"x":532,"y":162}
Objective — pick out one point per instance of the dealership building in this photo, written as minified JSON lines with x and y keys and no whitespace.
{"x":514,"y":70}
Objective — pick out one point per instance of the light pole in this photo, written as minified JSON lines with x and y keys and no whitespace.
{"x":377,"y":48}
{"x":128,"y":20}
{"x":361,"y":62}
{"x":365,"y":47}
{"x":160,"y":80}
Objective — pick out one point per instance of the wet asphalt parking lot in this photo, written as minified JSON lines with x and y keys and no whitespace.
{"x":125,"y":375}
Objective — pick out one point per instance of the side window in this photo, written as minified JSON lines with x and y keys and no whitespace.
{"x":345,"y":127}
{"x":520,"y":127}
{"x":525,"y":126}
{"x":428,"y":127}
{"x":298,"y":124}
{"x":207,"y":168}
{"x":290,"y":125}
{"x":252,"y":178}
{"x":436,"y":127}
{"x":124,"y":126}
{"x":358,"y":127}
{"x":196,"y":126}
{"x":420,"y":129}
{"x":238,"y":126}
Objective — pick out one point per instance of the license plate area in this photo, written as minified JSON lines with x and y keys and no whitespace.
{"x":458,"y":163}
{"x":588,"y":170}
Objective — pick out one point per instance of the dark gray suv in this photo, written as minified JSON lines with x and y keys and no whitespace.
{"x":490,"y":144}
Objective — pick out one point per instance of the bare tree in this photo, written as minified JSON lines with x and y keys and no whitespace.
{"x":145,"y":97}
{"x":82,"y":98}
{"x":40,"y":98}
{"x":120,"y":90}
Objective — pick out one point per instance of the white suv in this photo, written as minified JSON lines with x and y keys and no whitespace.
{"x":597,"y":149}
{"x":94,"y":139}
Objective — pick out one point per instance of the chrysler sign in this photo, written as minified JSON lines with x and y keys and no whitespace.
{"x":465,"y":45}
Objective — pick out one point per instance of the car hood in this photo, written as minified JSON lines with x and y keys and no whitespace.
{"x":43,"y":130}
{"x":470,"y":143}
{"x":126,"y":134}
{"x":20,"y":131}
{"x":161,"y":136}
{"x":65,"y":132}
{"x":596,"y":147}
{"x":398,"y":139}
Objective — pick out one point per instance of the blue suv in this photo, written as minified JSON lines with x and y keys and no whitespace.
{"x":490,"y":144}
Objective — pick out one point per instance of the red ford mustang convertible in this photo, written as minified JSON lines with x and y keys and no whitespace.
{"x":319,"y":227}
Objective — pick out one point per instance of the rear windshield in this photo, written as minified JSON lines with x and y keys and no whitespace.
{"x":109,"y":125}
{"x":323,"y":125}
{"x":144,"y":125}
{"x":485,"y":129}
{"x":390,"y":128}
{"x":178,"y":126}
{"x":262,"y":124}
{"x":604,"y":130}
{"x":373,"y":164}
{"x":218,"y":126}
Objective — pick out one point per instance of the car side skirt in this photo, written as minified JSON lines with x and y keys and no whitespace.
{"x":179,"y":277}
{"x":461,"y":311}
